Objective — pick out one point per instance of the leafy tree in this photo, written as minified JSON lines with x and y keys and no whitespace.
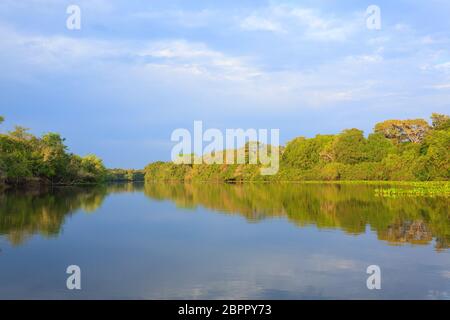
{"x":440,"y":121}
{"x":349,"y":147}
{"x":403,"y":130}
{"x":53,"y":157}
{"x":435,"y":164}
{"x":93,"y":168}
{"x":305,"y":153}
{"x":21,"y":133}
{"x":2,"y":163}
{"x":25,"y":157}
{"x":397,"y":150}
{"x":15,"y":158}
{"x":378,"y":147}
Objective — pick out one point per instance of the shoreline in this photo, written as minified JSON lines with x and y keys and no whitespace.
{"x":369,"y":182}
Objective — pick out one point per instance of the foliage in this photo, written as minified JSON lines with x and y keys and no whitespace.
{"x":440,"y":121}
{"x":404,"y":130}
{"x":25,"y":158}
{"x":305,"y":153}
{"x":398,"y":150}
{"x":349,"y":147}
{"x":418,"y":189}
{"x":125,"y":175}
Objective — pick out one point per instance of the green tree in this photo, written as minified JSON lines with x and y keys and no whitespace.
{"x":349,"y":147}
{"x":21,"y":133}
{"x":93,"y":169}
{"x":15,"y":158}
{"x":52,"y":157}
{"x":435,"y":163}
{"x":305,"y":153}
{"x":24,"y":156}
{"x":2,"y":164}
{"x":403,"y":130}
{"x":378,"y":147}
{"x":440,"y":121}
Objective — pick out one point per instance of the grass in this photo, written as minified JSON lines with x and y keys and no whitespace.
{"x":424,"y":189}
{"x":384,"y":188}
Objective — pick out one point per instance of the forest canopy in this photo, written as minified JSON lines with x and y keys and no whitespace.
{"x":396,"y":150}
{"x":26,"y":158}
{"x":411,"y":150}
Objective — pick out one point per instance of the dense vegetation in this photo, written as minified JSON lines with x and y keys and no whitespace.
{"x":410,"y":150}
{"x":25,"y":158}
{"x":125,"y":175}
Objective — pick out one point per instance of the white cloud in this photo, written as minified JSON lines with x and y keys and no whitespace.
{"x":54,"y":52}
{"x":443,"y":66}
{"x":298,"y":21}
{"x":364,"y":59}
{"x":402,"y":27}
{"x":184,"y":64}
{"x":439,"y":69}
{"x":37,"y":6}
{"x":255,"y":23}
{"x":442,"y":86}
{"x":62,"y":52}
{"x":183,"y":18}
{"x":216,"y":75}
{"x":200,"y":59}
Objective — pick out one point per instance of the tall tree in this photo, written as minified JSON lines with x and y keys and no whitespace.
{"x":349,"y":146}
{"x":53,"y":156}
{"x":378,"y":147}
{"x":403,"y":130}
{"x":440,"y":121}
{"x":21,"y":133}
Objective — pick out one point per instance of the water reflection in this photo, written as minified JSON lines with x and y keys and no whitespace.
{"x":43,"y":211}
{"x":414,"y":220}
{"x":24,"y":213}
{"x":351,"y":208}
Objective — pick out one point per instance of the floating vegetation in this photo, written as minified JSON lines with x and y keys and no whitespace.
{"x":424,"y":189}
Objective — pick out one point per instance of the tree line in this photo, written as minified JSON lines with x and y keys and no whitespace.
{"x":25,"y":158}
{"x":412,"y":150}
{"x":395,"y":150}
{"x":125,"y":175}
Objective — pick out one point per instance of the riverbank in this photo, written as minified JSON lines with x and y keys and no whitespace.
{"x":36,"y":184}
{"x":397,"y":150}
{"x":385,"y":188}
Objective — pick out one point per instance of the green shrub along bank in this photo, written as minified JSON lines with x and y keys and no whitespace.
{"x":125,"y":175}
{"x":397,"y":150}
{"x":25,"y":158}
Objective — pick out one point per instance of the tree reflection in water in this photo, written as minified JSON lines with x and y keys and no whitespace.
{"x":351,"y":208}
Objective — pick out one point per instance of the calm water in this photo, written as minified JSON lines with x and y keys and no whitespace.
{"x":164,"y":241}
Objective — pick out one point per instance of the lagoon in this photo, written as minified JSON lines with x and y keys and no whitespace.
{"x":223,"y":241}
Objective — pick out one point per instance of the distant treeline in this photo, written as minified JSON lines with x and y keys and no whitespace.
{"x":396,"y":150}
{"x":125,"y":175}
{"x":25,"y":158}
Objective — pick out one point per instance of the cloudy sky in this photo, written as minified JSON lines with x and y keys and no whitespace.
{"x":137,"y":70}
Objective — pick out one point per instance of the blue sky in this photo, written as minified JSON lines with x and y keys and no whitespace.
{"x":137,"y":70}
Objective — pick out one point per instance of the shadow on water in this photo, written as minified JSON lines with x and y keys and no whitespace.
{"x":351,"y":208}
